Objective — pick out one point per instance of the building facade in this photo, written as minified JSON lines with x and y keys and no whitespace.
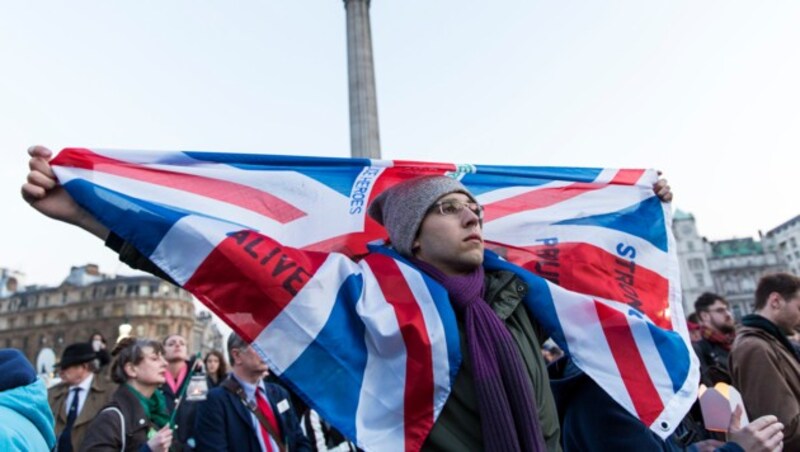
{"x":730,"y":268}
{"x":41,"y":321}
{"x":785,"y":240}
{"x":693,"y":252}
{"x":736,"y":266}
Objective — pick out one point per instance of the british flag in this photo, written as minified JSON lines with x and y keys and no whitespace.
{"x":282,"y":250}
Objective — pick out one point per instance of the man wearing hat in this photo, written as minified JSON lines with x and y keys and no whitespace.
{"x":78,"y":397}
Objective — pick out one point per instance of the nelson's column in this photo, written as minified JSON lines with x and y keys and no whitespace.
{"x":364,"y":136}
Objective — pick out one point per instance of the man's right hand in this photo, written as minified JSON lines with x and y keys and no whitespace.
{"x":43,"y":192}
{"x":764,"y":434}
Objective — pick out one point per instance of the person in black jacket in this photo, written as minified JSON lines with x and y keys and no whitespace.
{"x":718,"y":332}
{"x":245,"y":413}
{"x":179,"y":366}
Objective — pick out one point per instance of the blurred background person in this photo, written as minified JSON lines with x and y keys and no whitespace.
{"x":764,"y":364}
{"x":216,"y":368}
{"x":100,"y":346}
{"x":695,"y":330}
{"x":245,"y":413}
{"x":719,"y":331}
{"x":27,"y":423}
{"x":137,"y":414}
{"x":179,"y":365}
{"x":79,"y":396}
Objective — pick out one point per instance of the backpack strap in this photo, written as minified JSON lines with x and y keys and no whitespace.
{"x":121,"y":423}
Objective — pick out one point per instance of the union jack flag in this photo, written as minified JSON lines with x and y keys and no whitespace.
{"x":282,"y":250}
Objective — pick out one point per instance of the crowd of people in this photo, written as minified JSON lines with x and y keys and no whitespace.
{"x":505,"y":396}
{"x":761,"y":356}
{"x":139,"y":402}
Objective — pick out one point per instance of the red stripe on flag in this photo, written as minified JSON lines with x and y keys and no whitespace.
{"x":536,"y":199}
{"x":632,"y":369}
{"x":627,"y":176}
{"x":591,"y":270}
{"x":418,"y":394}
{"x":248,"y":279}
{"x":239,"y":195}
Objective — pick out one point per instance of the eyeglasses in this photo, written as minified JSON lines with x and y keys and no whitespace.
{"x":456,"y":207}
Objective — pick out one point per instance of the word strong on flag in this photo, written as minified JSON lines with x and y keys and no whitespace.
{"x":281,"y":248}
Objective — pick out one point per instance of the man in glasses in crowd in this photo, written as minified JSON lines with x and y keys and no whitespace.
{"x":718,"y":330}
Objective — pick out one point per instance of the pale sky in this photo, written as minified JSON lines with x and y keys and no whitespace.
{"x":708,"y":92}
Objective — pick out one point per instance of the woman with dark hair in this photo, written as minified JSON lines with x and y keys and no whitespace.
{"x":216,"y":368}
{"x":100,"y":346}
{"x":136,"y":419}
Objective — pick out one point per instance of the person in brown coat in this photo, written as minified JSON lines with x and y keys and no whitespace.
{"x":764,"y":365}
{"x":136,"y":418}
{"x":78,"y":397}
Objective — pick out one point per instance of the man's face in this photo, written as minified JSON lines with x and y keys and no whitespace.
{"x":250,"y":362}
{"x":718,"y":317}
{"x":453,"y":243}
{"x":73,"y":375}
{"x":788,"y":315}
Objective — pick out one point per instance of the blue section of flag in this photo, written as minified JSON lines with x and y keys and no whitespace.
{"x":331,"y":369}
{"x":337,"y":173}
{"x":489,"y":177}
{"x":644,"y":220}
{"x":115,"y":210}
{"x":673,"y":353}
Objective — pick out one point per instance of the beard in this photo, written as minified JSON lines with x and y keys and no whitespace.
{"x":726,"y":328}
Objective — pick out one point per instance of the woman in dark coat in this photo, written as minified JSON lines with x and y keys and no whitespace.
{"x":216,"y":368}
{"x":137,"y":410}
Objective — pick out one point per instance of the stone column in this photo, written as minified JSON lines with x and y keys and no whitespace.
{"x":364,"y":136}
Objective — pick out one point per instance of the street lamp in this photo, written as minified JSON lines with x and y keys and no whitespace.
{"x":124,"y":330}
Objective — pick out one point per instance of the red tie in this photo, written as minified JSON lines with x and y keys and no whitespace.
{"x":263,"y":406}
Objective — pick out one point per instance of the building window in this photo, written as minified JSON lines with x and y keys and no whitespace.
{"x":793,"y":241}
{"x":696,"y":264}
{"x":700,"y":280}
{"x":690,"y":245}
{"x":98,"y":312}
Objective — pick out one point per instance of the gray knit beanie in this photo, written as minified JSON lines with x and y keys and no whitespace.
{"x":401,"y":208}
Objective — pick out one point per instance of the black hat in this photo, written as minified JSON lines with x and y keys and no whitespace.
{"x":78,"y":353}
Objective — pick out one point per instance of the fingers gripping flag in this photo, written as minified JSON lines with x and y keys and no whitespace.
{"x":277,"y":246}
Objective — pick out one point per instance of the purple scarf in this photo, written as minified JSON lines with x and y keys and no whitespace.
{"x":508,"y":411}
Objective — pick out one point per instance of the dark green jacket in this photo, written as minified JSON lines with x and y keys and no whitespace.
{"x":459,"y":426}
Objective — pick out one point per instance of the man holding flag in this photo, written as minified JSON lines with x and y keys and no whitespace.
{"x":433,"y":342}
